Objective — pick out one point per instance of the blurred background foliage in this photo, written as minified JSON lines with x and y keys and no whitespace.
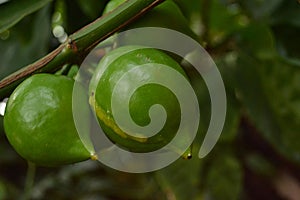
{"x":255,"y":45}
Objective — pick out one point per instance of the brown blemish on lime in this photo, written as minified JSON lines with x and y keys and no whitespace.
{"x":109,"y":121}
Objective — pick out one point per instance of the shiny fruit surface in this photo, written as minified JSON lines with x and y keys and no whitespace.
{"x":111,"y":69}
{"x":39,"y":123}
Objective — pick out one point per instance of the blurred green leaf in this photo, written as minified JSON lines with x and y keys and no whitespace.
{"x":270,"y":93}
{"x":24,"y":47}
{"x":90,"y":180}
{"x":190,"y":7}
{"x":260,"y":9}
{"x":282,"y":89}
{"x":249,"y":85}
{"x":181,"y":179}
{"x":260,"y":165}
{"x":92,"y":8}
{"x":257,"y":39}
{"x":233,"y":114}
{"x":224,"y":178}
{"x":285,"y":23}
{"x":232,"y":121}
{"x":7,"y":190}
{"x":287,"y":41}
{"x":224,"y":19}
{"x":77,"y":14}
{"x":13,"y":11}
{"x":287,"y":13}
{"x":3,"y":191}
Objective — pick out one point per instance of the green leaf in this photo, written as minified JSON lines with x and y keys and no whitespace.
{"x":233,"y":114}
{"x":224,"y":19}
{"x":190,"y":7}
{"x":3,"y":190}
{"x":224,"y":178}
{"x":285,"y":23}
{"x":249,"y":87}
{"x":288,"y":13}
{"x":13,"y":11}
{"x":260,"y":165}
{"x":281,"y":86}
{"x":90,"y":180}
{"x":92,"y":8}
{"x":20,"y":47}
{"x":260,"y":9}
{"x":287,"y":41}
{"x":180,"y":179}
{"x":75,"y":16}
{"x":257,"y":39}
{"x":269,"y":90}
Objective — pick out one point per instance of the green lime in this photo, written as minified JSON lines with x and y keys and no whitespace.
{"x":111,"y":69}
{"x":39,"y":124}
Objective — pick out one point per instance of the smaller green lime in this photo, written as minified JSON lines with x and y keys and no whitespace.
{"x":39,"y":124}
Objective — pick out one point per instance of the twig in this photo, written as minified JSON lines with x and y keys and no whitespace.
{"x":80,"y":43}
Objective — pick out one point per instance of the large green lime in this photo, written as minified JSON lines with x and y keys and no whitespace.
{"x":105,"y":81}
{"x":39,"y":123}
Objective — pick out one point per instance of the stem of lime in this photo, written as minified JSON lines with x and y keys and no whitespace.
{"x":31,"y":170}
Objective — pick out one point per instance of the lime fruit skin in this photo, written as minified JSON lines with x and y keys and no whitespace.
{"x":110,"y":69}
{"x":39,"y":124}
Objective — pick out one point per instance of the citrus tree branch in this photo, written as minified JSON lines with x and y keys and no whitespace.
{"x":80,"y":43}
